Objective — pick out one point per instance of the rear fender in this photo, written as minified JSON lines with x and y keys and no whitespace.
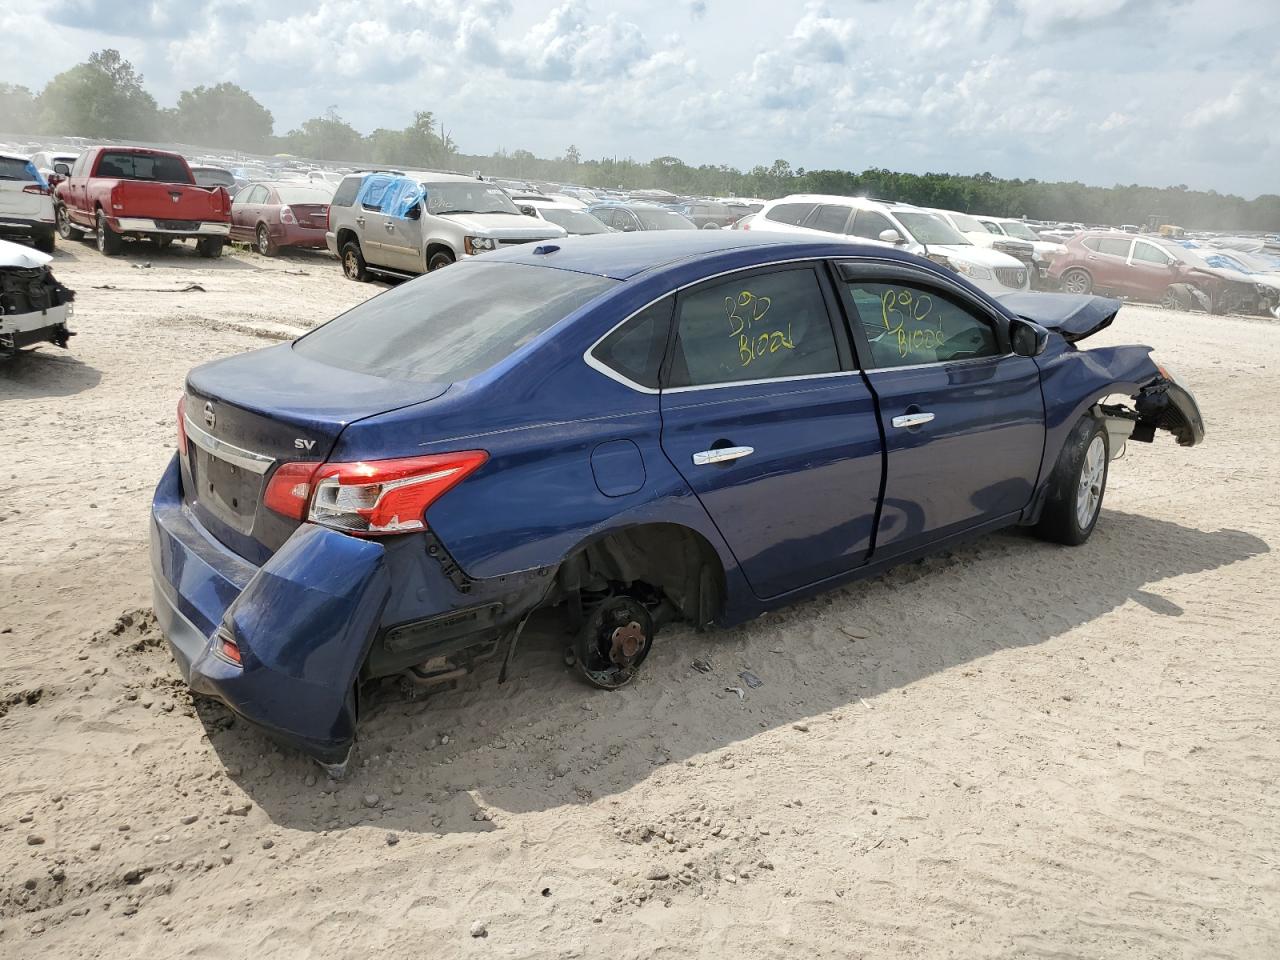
{"x":304,"y":625}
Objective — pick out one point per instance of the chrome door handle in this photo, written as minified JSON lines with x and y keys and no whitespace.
{"x":360,"y":220}
{"x":913,"y":420}
{"x":389,"y":225}
{"x":721,"y":455}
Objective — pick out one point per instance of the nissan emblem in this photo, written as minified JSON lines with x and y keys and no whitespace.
{"x":209,"y":416}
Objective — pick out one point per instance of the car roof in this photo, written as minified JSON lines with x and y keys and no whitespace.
{"x":621,"y":256}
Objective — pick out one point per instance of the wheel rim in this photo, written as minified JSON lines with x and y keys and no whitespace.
{"x":64,"y":224}
{"x":102,"y":234}
{"x":439,"y":261}
{"x":349,"y":263}
{"x":1089,"y":491}
{"x":1076,"y":282}
{"x":1168,"y":302}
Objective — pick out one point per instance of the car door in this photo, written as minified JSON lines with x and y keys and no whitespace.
{"x":869,"y":224}
{"x":1108,"y":264}
{"x":74,"y":194}
{"x":1149,"y":271}
{"x":246,"y":210}
{"x":963,"y":418}
{"x":401,"y":230}
{"x":770,"y":424}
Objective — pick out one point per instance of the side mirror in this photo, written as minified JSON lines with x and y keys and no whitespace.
{"x":629,"y":228}
{"x":891,"y":236}
{"x":528,"y":210}
{"x":1028,"y":339}
{"x":62,"y":169}
{"x":414,"y":212}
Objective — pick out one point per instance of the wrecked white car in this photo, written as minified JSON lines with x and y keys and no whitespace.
{"x":34,"y":307}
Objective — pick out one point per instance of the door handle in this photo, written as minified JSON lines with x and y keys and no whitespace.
{"x":389,"y":226}
{"x":1091,"y":258}
{"x":913,"y":420}
{"x":721,"y":455}
{"x":360,"y":220}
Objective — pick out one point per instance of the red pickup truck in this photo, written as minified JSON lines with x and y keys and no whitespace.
{"x":115,"y":193}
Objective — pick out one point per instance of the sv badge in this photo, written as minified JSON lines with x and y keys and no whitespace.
{"x":300,"y":444}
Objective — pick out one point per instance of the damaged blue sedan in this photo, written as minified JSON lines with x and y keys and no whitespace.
{"x":624,"y":430}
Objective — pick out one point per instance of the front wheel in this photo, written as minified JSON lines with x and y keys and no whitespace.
{"x":1077,"y":281}
{"x":438,"y":260}
{"x":65,"y":230}
{"x":108,"y":241}
{"x":1077,"y":485}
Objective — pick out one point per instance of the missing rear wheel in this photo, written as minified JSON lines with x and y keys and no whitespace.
{"x":613,"y":642}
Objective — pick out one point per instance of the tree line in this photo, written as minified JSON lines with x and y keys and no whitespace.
{"x":104,"y":97}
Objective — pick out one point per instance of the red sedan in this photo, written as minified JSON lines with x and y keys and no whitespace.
{"x":281,"y":214}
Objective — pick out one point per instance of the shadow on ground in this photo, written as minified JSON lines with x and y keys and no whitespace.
{"x":544,"y":739}
{"x":45,"y":371}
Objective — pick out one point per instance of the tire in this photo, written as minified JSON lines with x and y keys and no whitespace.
{"x":1078,"y":485}
{"x":210,"y":247}
{"x":353,"y":264}
{"x":263,"y":242}
{"x":162,"y":243}
{"x":1077,"y":281}
{"x":438,"y":260}
{"x":108,"y":241}
{"x":44,"y":241}
{"x":66,"y":229}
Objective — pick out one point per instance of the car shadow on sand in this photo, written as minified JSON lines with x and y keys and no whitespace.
{"x":45,"y":371}
{"x":544,"y":739}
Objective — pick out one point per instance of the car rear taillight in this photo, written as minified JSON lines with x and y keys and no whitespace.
{"x":369,"y":498}
{"x":182,"y":427}
{"x":225,"y":646}
{"x":286,"y":215}
{"x":38,"y":189}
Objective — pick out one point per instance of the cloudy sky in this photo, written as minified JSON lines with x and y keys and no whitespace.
{"x":1156,"y":92}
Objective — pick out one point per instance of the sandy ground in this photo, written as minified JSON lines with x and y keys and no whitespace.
{"x":1009,"y":750}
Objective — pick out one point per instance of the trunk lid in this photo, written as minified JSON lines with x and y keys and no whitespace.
{"x":315,"y":215}
{"x":246,"y":415}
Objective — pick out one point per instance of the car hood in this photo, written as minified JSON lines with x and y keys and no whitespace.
{"x":510,"y":226}
{"x":1073,"y":317}
{"x":974,"y":254}
{"x":16,"y":255}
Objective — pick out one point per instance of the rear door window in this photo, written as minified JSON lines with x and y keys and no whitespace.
{"x":1114,"y":246}
{"x":451,"y":324}
{"x":792,"y":213}
{"x":760,"y":326}
{"x":829,"y":218}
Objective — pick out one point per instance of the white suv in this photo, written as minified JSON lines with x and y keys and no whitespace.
{"x":900,"y":225}
{"x":26,"y":202}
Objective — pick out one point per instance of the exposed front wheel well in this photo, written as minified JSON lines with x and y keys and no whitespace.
{"x":663,"y":561}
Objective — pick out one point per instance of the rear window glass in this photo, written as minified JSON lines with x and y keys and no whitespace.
{"x":347,"y":191}
{"x":210,"y":177}
{"x":301,"y":194}
{"x":451,"y":324}
{"x":11,"y":168}
{"x":143,"y":166}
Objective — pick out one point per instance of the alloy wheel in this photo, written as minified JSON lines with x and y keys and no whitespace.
{"x":1089,"y":490}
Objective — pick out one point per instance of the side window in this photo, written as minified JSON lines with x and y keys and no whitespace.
{"x":991,"y":227}
{"x":345,"y":195}
{"x":1114,"y":246}
{"x":757,"y":327}
{"x":792,"y":213}
{"x":907,"y":325}
{"x":375,"y":189}
{"x":1146,"y":253}
{"x":77,"y":169}
{"x":257,"y":195}
{"x":1091,"y":243}
{"x":635,"y":349}
{"x":831,"y":218}
{"x":869,"y":224}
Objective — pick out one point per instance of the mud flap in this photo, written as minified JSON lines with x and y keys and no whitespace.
{"x":304,"y":625}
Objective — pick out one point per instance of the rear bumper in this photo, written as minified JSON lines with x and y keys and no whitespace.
{"x":303,"y":622}
{"x":331,"y":241}
{"x":148,"y":225}
{"x":295,"y":235}
{"x":25,"y":225}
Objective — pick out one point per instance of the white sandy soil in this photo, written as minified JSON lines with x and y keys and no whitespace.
{"x":1010,"y":750}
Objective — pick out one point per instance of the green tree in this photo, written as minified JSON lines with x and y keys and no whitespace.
{"x":326,"y":138}
{"x":18,"y":111}
{"x":102,"y":97}
{"x":224,"y":116}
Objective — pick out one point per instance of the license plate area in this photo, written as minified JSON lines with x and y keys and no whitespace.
{"x":230,"y":492}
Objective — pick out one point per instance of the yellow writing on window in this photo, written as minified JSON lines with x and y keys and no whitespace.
{"x":909,"y":319}
{"x":746,"y":312}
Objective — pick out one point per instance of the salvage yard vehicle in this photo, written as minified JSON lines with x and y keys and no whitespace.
{"x":405,"y":224}
{"x":620,"y":430}
{"x":118,"y":193}
{"x":281,"y":214}
{"x":708,"y":214}
{"x":26,"y":202}
{"x":1169,"y":272}
{"x":639,"y":216}
{"x":34,"y":307}
{"x":914,"y":229}
{"x":572,"y":216}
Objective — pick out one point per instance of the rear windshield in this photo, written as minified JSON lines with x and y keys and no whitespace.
{"x":213,"y":177}
{"x":662,"y":219}
{"x":11,"y":168}
{"x":574,"y":221}
{"x":450,"y":324}
{"x":303,"y":194}
{"x":143,"y":166}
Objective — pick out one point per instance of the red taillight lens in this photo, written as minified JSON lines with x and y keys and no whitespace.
{"x":38,"y":189}
{"x":182,"y":427}
{"x":286,"y":215}
{"x":226,"y":646}
{"x":369,"y":498}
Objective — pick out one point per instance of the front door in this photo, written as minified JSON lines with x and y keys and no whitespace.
{"x":963,"y":418}
{"x":1150,"y":269}
{"x":767,"y":420}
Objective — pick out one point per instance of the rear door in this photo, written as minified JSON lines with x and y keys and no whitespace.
{"x":963,"y":418}
{"x":771,"y":425}
{"x":1109,"y":265}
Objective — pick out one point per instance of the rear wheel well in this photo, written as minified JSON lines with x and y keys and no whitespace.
{"x":666,"y":560}
{"x":346,"y":235}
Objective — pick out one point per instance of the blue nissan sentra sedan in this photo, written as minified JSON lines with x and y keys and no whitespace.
{"x":632,"y":429}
